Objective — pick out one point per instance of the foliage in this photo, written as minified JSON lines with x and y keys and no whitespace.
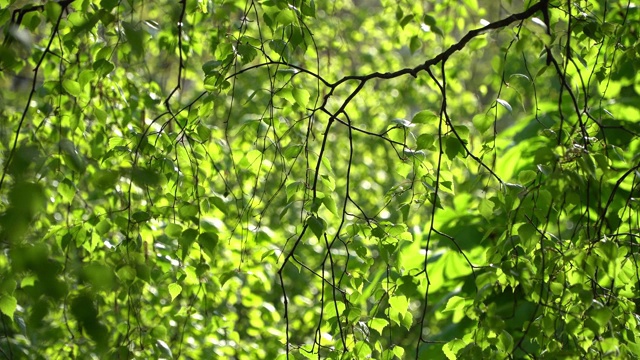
{"x":302,"y":179}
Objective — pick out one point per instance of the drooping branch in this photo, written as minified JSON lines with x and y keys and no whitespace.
{"x":443,"y":56}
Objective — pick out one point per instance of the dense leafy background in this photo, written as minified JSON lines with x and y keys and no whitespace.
{"x":302,"y":179}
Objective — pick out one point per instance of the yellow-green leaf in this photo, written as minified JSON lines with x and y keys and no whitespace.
{"x":174,"y":290}
{"x":8,"y":305}
{"x":301,"y":97}
{"x":72,"y":87}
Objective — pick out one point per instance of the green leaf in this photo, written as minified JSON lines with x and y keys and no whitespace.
{"x":399,"y":13}
{"x":103,"y":226}
{"x":8,"y":305}
{"x":526,"y":176}
{"x":452,"y":147}
{"x":209,"y":242}
{"x":429,"y":20}
{"x":227,"y":276}
{"x":309,"y":8}
{"x":406,"y":20}
{"x":425,"y":141}
{"x":145,"y":177}
{"x":71,"y":156}
{"x":425,"y":117}
{"x":204,"y":132}
{"x":186,"y":240}
{"x":164,"y":349}
{"x":267,"y":254}
{"x":99,"y":276}
{"x":210,"y":67}
{"x":105,"y":179}
{"x":281,"y":48}
{"x":28,"y":281}
{"x":83,"y":308}
{"x":362,"y":350}
{"x":399,"y":303}
{"x":601,"y":315}
{"x":455,"y":303}
{"x":414,"y":44}
{"x":108,"y":4}
{"x":301,"y":97}
{"x":330,"y":204}
{"x":103,"y":67}
{"x":100,"y":114}
{"x":286,"y":17}
{"x":287,"y":94}
{"x":203,"y":6}
{"x":140,"y":216}
{"x":247,"y":52}
{"x":505,"y":104}
{"x":330,"y":309}
{"x":378,"y":324}
{"x":430,"y":23}
{"x":452,"y":348}
{"x":173,"y":230}
{"x":211,"y":82}
{"x":219,"y":203}
{"x":556,"y":288}
{"x":292,"y":151}
{"x":317,"y":225}
{"x":174,"y":290}
{"x":187,"y":211}
{"x":527,"y":233}
{"x":52,"y":10}
{"x":135,"y":36}
{"x":67,"y":190}
{"x":86,"y":76}
{"x":126,"y":273}
{"x":482,"y":122}
{"x":486,"y":209}
{"x":398,"y":351}
{"x":507,"y":341}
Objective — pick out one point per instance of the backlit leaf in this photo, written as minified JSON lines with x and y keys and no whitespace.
{"x":174,"y":290}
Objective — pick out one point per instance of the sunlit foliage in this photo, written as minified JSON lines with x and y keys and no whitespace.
{"x":341,"y":179}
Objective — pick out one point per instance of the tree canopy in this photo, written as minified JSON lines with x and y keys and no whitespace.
{"x":299,"y":179}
